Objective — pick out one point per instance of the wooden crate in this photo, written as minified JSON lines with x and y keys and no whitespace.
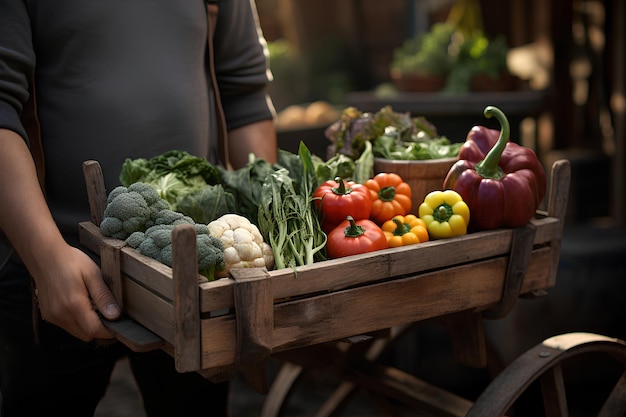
{"x":237,"y":322}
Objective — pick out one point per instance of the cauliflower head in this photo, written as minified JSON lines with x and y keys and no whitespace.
{"x":243,"y":243}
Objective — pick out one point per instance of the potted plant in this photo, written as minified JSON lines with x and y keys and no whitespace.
{"x":480,"y":65}
{"x":457,"y":53}
{"x":422,"y":63}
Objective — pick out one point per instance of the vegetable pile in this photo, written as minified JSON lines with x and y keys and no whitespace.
{"x":138,"y":215}
{"x":303,"y":210}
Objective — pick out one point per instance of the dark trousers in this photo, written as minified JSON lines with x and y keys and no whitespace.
{"x":62,"y":375}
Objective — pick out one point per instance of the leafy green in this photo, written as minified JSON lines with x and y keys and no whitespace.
{"x":392,"y":135}
{"x":391,"y":146}
{"x":207,"y":203}
{"x":189,"y":184}
{"x":287,"y":217}
{"x":364,"y":166}
{"x":174,"y":173}
{"x":246,"y":186}
{"x":184,"y":165}
{"x":339,"y":165}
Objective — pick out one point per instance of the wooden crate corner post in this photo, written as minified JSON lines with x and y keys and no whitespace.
{"x":96,"y":191}
{"x":557,"y":207}
{"x":187,"y":337}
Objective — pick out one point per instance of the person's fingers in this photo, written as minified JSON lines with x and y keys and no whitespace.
{"x":102,"y":296}
{"x":88,"y":325}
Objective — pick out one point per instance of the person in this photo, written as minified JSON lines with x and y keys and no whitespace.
{"x":111,"y":81}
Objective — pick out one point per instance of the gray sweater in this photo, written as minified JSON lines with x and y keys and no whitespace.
{"x":124,"y":79}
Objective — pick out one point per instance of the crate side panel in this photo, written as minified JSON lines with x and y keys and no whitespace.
{"x":366,"y":309}
{"x":90,"y":236}
{"x":218,"y":341}
{"x":337,"y":315}
{"x":149,"y":309}
{"x":148,"y":272}
{"x":216,"y":295}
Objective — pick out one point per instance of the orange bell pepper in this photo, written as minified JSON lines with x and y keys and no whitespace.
{"x":405,"y":230}
{"x":391,"y":196}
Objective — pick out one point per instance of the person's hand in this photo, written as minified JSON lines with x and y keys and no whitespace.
{"x":69,"y":290}
{"x":69,"y":283}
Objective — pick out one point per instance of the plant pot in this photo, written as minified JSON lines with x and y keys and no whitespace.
{"x":416,"y":82}
{"x":483,"y":82}
{"x":423,"y":176}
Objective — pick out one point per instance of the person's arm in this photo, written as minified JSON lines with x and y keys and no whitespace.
{"x":242,"y":70}
{"x":67,"y":280}
{"x":258,"y":138}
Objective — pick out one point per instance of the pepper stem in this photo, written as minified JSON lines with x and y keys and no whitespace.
{"x":341,"y":189}
{"x":387,"y":193}
{"x":442,"y":212}
{"x":353,"y":230}
{"x":401,"y":228}
{"x":488,"y":167}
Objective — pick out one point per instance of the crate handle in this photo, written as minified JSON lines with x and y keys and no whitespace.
{"x":96,"y":191}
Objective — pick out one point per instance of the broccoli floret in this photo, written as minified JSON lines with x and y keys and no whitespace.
{"x":136,"y":208}
{"x":156,"y":243}
{"x":135,"y":239}
{"x":152,"y":197}
{"x":172,"y":217}
{"x":210,"y":255}
{"x":115,"y":192}
{"x":127,"y":212}
{"x":201,"y":229}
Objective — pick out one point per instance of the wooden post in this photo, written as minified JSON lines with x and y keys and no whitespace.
{"x":557,"y":207}
{"x":187,"y":338}
{"x":96,"y":191}
{"x":111,"y":267}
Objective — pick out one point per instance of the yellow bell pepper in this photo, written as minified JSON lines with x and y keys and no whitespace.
{"x":405,"y":230}
{"x":445,"y":214}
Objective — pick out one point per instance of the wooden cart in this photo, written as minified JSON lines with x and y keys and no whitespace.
{"x":235,"y":324}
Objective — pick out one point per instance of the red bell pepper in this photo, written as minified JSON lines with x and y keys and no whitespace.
{"x":337,"y":199}
{"x":353,"y":237}
{"x":503,"y":183}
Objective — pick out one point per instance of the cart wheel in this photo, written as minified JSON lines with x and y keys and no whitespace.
{"x":545,"y":363}
{"x":341,"y":396}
